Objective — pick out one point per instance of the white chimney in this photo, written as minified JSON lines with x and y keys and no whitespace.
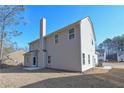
{"x":42,"y":33}
{"x":42,"y":27}
{"x":42,"y":43}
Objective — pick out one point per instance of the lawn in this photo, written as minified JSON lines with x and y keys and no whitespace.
{"x":47,"y":78}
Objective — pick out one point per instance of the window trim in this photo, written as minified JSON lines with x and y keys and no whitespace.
{"x":27,"y":59}
{"x":71,"y":34}
{"x":34,"y":61}
{"x":89,"y":59}
{"x":49,"y":59}
{"x":55,"y":39}
{"x":83,"y":58}
{"x":92,"y":42}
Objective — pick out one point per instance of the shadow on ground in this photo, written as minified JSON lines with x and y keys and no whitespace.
{"x":20,"y":69}
{"x":75,"y":81}
{"x":78,"y":81}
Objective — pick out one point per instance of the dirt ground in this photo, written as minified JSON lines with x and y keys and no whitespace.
{"x":97,"y":78}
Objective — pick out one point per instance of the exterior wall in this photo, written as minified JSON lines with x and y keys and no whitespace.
{"x":28,"y":59}
{"x":42,"y":53}
{"x":41,"y":59}
{"x":86,"y":44}
{"x":101,"y":57}
{"x":66,"y":53}
{"x":121,"y":58}
{"x":39,"y":45}
{"x":34,"y":45}
{"x":96,"y":61}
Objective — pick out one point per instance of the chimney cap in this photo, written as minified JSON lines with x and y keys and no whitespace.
{"x":43,"y":18}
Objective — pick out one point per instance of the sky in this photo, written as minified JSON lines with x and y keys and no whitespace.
{"x":108,"y":21}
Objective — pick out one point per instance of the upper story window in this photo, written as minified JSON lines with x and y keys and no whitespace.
{"x":56,"y":39}
{"x":71,"y":34}
{"x":92,"y":42}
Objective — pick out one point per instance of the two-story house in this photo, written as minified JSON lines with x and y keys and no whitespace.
{"x":69,"y":48}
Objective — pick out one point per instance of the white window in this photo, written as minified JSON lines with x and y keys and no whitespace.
{"x":92,"y":42}
{"x":83,"y":59}
{"x":49,"y":59}
{"x":71,"y":34}
{"x":27,"y":58}
{"x":89,"y":59}
{"x":56,"y":39}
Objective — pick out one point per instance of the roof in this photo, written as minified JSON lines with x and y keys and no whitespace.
{"x":63,"y":28}
{"x":31,"y":51}
{"x":34,"y":41}
{"x":89,"y":19}
{"x":96,"y":52}
{"x":18,"y":51}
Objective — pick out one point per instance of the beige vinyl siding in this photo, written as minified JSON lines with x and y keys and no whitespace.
{"x":34,"y":45}
{"x":28,"y":60}
{"x":66,"y":53}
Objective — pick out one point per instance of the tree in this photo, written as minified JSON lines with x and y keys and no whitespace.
{"x":100,"y":46}
{"x":107,"y":43}
{"x":115,"y":44}
{"x":8,"y":47}
{"x":9,"y":16}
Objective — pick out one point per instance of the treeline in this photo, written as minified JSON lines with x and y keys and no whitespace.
{"x":115,"y":44}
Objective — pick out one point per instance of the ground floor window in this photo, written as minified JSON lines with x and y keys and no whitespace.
{"x":27,"y":59}
{"x":89,"y":59}
{"x":121,"y":59}
{"x":34,"y":61}
{"x":83,"y":59}
{"x":49,"y":59}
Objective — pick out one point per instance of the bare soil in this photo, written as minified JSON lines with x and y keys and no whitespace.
{"x":46,"y":78}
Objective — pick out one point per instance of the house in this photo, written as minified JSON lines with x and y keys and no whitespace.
{"x":120,"y":56}
{"x":115,"y":56}
{"x":69,"y":48}
{"x":101,"y":55}
{"x":15,"y":58}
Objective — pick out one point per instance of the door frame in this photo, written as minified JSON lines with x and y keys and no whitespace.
{"x":34,"y":61}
